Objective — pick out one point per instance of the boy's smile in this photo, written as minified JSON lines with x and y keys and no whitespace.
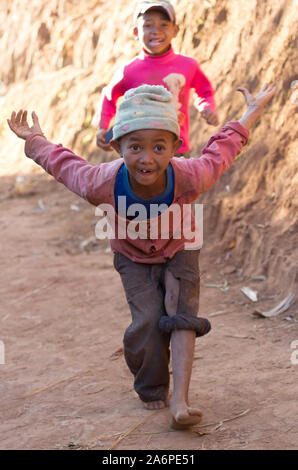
{"x":146,"y":154}
{"x":155,"y":31}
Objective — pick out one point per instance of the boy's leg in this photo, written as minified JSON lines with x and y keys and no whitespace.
{"x":183,"y":295}
{"x":146,"y":347}
{"x":182,"y":346}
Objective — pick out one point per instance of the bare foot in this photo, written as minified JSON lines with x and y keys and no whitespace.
{"x":156,"y":405}
{"x":183,"y":417}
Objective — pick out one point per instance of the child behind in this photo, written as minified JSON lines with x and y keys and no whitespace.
{"x":157,"y":64}
{"x":160,"y":276}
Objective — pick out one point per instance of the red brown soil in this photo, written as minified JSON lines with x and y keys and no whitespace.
{"x":63,"y":313}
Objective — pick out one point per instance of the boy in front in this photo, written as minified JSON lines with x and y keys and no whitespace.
{"x":160,"y":277}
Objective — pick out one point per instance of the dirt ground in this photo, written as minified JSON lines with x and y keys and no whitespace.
{"x":65,"y":384}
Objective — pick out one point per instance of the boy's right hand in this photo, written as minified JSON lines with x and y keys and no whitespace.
{"x":101,"y":142}
{"x":19,"y":125}
{"x":210,"y":117}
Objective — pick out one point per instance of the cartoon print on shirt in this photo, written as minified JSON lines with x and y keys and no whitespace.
{"x":175,"y":82}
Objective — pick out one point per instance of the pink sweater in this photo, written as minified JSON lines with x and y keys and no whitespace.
{"x":193,"y":176}
{"x":176,"y":72}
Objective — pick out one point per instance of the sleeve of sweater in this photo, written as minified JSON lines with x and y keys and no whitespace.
{"x":77,"y":174}
{"x":217,"y":155}
{"x":108,"y":100}
{"x":204,"y":93}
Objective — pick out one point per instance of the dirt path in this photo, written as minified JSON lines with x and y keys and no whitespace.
{"x":62,"y":317}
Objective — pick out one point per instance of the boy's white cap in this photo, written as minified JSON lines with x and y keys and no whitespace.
{"x":145,"y":5}
{"x":146,"y":107}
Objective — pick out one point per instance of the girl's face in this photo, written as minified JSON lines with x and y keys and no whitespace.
{"x":146,"y":154}
{"x":155,"y":31}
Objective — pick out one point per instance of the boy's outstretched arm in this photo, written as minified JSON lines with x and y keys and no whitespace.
{"x":222,"y":148}
{"x":19,"y":125}
{"x":76,"y":173}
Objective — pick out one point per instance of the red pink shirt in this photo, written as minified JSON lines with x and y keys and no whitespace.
{"x":178,"y":73}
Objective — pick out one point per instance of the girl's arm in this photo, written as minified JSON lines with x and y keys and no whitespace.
{"x":107,"y":107}
{"x":204,"y":97}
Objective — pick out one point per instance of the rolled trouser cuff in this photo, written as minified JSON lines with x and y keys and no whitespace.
{"x":201,"y":326}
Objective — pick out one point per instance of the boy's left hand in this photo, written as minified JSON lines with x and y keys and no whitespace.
{"x":210,"y":117}
{"x":256,"y":103}
{"x":19,"y":125}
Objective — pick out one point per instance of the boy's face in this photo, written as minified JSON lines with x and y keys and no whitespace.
{"x":146,"y":154}
{"x":155,"y":31}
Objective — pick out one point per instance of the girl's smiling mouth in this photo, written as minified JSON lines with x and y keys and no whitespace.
{"x":156,"y":42}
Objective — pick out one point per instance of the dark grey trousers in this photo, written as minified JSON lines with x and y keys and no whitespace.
{"x":146,"y":340}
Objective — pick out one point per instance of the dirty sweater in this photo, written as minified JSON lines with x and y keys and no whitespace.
{"x":95,"y":183}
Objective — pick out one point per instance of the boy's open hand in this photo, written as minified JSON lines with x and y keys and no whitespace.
{"x":256,"y":103}
{"x":261,"y":98}
{"x":19,"y":125}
